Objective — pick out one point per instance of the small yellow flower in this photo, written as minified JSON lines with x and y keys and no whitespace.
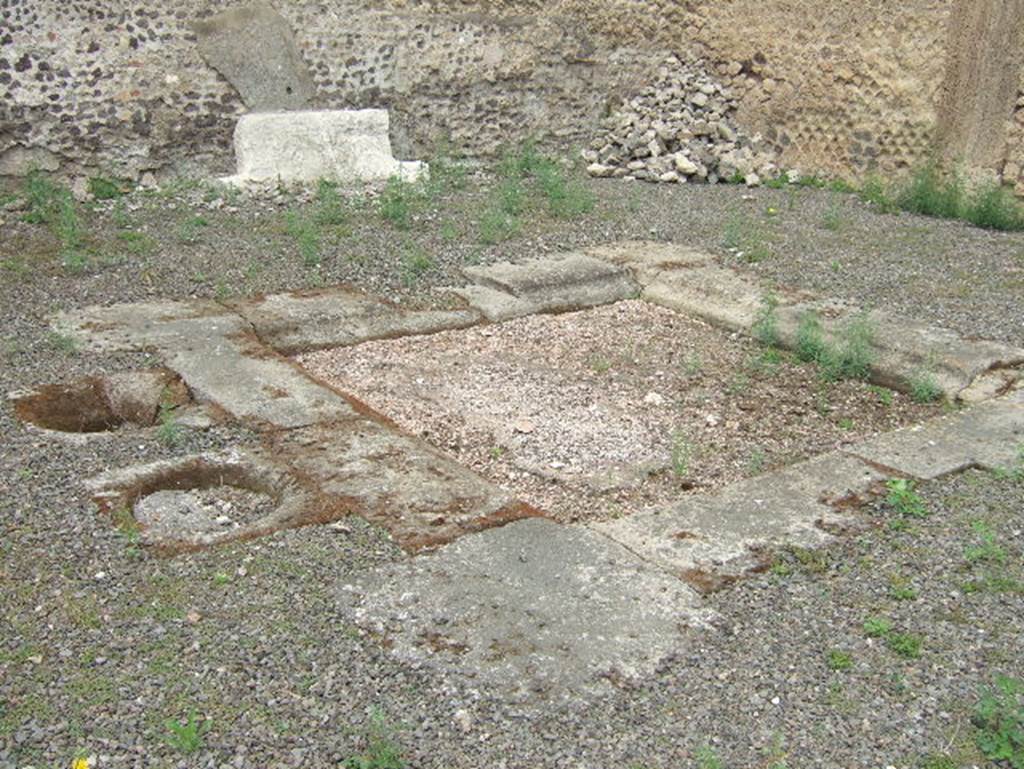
{"x":80,"y":763}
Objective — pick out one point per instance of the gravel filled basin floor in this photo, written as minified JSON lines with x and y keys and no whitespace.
{"x":595,"y":414}
{"x":872,"y":653}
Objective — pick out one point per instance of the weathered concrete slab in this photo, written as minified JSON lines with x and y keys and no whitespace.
{"x":254,"y":384}
{"x":343,"y":145}
{"x":404,"y":485}
{"x":987,"y":435}
{"x":711,"y":539}
{"x":306,"y":321}
{"x":254,"y":48}
{"x":145,"y":325}
{"x":569,"y":281}
{"x":905,"y":349}
{"x":530,"y":611}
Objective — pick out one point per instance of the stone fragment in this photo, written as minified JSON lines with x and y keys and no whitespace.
{"x":254,"y":48}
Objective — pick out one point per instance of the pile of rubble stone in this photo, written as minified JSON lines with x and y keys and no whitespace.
{"x":680,"y":128}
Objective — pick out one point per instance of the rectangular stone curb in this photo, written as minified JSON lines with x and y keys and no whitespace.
{"x":145,"y":325}
{"x":255,"y":384}
{"x":297,"y":322}
{"x":907,"y":350}
{"x":567,"y":282}
{"x":711,"y":539}
{"x":987,"y":435}
{"x":532,"y":610}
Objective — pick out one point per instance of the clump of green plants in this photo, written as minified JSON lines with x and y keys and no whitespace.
{"x":999,"y":722}
{"x":53,"y":204}
{"x":877,"y":627}
{"x":902,"y":496}
{"x":932,"y":192}
{"x":986,"y":548}
{"x":852,"y":354}
{"x":187,"y":736}
{"x":306,"y":234}
{"x":415,"y":262}
{"x":901,"y":589}
{"x":104,"y":188}
{"x":707,"y":758}
{"x":744,"y":238}
{"x":682,"y":452}
{"x":810,"y":340}
{"x":875,"y":193}
{"x":382,"y":751}
{"x":766,"y":323}
{"x":397,"y":201}
{"x":839,"y":660}
{"x":832,"y":219}
{"x":923,"y":387}
{"x":329,"y":205}
{"x":905,"y":644}
{"x":169,"y":430}
{"x":190,"y":231}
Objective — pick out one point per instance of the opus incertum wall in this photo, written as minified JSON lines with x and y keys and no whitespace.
{"x":122,"y":85}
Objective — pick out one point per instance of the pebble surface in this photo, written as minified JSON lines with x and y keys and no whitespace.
{"x":102,"y":642}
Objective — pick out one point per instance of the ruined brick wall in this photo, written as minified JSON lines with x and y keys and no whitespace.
{"x":119,"y":85}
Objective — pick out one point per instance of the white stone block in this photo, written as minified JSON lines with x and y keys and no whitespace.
{"x":304,"y":146}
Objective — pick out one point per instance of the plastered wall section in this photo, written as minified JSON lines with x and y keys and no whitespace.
{"x":119,"y":86}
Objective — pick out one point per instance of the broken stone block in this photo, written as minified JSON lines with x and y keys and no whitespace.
{"x":254,"y":48}
{"x":342,"y":145}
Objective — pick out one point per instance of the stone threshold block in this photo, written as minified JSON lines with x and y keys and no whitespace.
{"x":346,"y":146}
{"x":567,"y":281}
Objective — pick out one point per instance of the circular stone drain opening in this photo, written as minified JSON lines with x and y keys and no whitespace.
{"x":194,"y":514}
{"x":199,"y":501}
{"x":97,"y":404}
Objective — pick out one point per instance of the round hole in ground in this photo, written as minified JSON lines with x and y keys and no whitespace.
{"x":96,"y":404}
{"x":199,"y":502}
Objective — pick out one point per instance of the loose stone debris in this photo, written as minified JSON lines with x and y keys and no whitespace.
{"x":678,"y":129}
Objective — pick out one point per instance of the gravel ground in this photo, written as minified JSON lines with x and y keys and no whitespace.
{"x":601,"y":413}
{"x":101,"y":643}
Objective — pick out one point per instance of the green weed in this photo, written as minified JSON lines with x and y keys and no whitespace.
{"x":875,"y":193}
{"x":103,"y":188}
{"x":833,"y":219}
{"x":329,"y":205}
{"x":904,"y":499}
{"x":397,"y":201}
{"x":905,"y":644}
{"x":994,"y":207}
{"x":852,"y":354}
{"x":744,"y":238}
{"x":190,"y":230}
{"x":877,"y":627}
{"x":810,"y":342}
{"x":415,"y":262}
{"x":839,"y":660}
{"x":306,"y":234}
{"x":900,"y":588}
{"x":924,"y":388}
{"x":707,"y":758}
{"x":169,"y":431}
{"x":382,"y":751}
{"x":766,"y":323}
{"x":987,"y":549}
{"x":930,"y":193}
{"x":682,"y":452}
{"x":999,"y":721}
{"x":187,"y":736}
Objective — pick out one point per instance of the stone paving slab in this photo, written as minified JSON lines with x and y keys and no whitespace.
{"x":570,"y":281}
{"x":531,"y":610}
{"x":254,"y":384}
{"x":306,"y":321}
{"x":146,"y":325}
{"x":400,"y":483}
{"x":711,"y":539}
{"x":988,"y":435}
{"x":905,"y":349}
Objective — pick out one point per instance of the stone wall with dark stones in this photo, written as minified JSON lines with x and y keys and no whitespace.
{"x":121,"y":86}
